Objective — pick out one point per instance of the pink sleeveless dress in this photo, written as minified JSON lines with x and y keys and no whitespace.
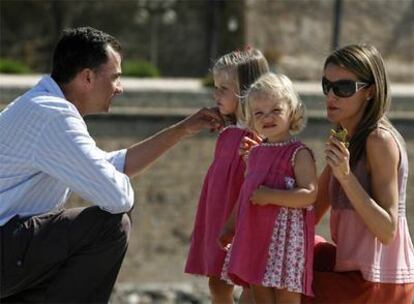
{"x":218,"y":196}
{"x":366,"y":270}
{"x":273,"y":245}
{"x":357,"y":248}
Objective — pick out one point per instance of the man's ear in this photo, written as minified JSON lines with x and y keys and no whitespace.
{"x":86,"y":77}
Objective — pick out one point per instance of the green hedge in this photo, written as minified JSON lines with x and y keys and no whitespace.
{"x":139,"y":68}
{"x":10,"y":66}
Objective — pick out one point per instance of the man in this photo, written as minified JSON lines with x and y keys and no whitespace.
{"x":49,"y":254}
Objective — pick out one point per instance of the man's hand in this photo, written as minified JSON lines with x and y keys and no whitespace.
{"x":142,"y":154}
{"x":206,"y":118}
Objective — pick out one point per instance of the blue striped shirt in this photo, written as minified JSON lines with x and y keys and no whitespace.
{"x":46,"y":153}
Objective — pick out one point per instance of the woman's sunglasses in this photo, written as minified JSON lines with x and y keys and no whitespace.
{"x":342,"y":88}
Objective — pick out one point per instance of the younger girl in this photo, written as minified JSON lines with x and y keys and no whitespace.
{"x":273,"y":242}
{"x":233,"y":73}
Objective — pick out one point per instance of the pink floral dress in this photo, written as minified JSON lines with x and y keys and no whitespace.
{"x":273,"y":245}
{"x":218,"y":196}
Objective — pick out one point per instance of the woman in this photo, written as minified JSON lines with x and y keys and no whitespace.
{"x":372,"y":260}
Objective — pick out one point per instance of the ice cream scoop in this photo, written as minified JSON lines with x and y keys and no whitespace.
{"x":341,"y":135}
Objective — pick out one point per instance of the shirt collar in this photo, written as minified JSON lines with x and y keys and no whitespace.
{"x":47,"y":83}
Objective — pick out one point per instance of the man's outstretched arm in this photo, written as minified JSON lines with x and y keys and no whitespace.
{"x":144,"y":153}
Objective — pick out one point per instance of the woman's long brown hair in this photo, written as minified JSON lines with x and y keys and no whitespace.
{"x":367,"y":64}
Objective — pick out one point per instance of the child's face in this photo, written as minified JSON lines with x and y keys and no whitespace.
{"x":271,"y":117}
{"x":225,"y":91}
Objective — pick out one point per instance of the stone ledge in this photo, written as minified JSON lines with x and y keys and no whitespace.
{"x":167,"y":93}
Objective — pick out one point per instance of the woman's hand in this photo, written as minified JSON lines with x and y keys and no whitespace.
{"x":246,"y":144}
{"x":337,"y":157}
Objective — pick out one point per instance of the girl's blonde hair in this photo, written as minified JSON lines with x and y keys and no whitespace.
{"x":280,"y":89}
{"x":244,"y":67}
{"x":366,"y":62}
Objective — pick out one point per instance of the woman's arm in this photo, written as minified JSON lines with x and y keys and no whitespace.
{"x":302,"y":195}
{"x":379,"y":211}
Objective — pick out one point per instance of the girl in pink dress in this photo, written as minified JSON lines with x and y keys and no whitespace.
{"x":233,"y":73}
{"x":272,"y":247}
{"x":372,"y":258}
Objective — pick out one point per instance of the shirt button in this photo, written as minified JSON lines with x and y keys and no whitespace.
{"x":19,"y":263}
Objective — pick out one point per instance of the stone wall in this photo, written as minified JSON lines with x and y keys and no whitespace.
{"x":184,"y":46}
{"x":297,"y":35}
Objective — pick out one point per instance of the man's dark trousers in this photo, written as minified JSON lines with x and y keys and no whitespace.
{"x":72,"y":255}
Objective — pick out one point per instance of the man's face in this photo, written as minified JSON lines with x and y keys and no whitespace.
{"x":107,"y":83}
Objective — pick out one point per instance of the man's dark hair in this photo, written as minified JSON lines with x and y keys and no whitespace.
{"x":80,"y":48}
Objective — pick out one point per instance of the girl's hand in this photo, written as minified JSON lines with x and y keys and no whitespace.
{"x":226,"y":237}
{"x":337,"y":157}
{"x":259,"y":196}
{"x":247,"y":144}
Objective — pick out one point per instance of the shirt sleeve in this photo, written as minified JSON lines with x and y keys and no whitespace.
{"x":65,"y":150}
{"x":117,"y":158}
